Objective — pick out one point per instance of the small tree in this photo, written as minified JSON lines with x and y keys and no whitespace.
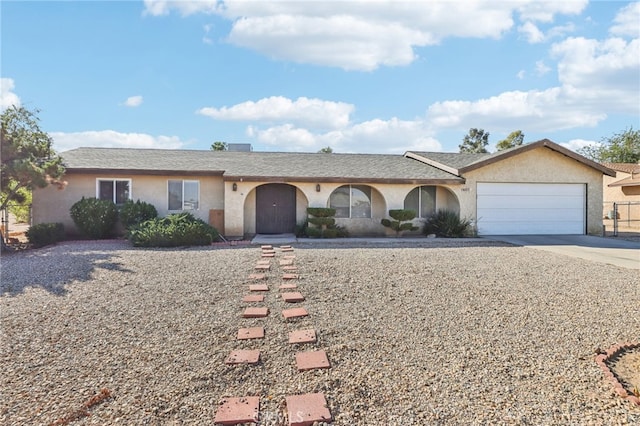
{"x":219,"y":146}
{"x":28,"y":161}
{"x":623,"y":147}
{"x":515,"y":138}
{"x":475,"y":141}
{"x":326,"y":150}
{"x":402,"y":222}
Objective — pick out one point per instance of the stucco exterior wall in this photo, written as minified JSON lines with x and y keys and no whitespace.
{"x":52,"y":205}
{"x":240,"y":214}
{"x":540,"y":165}
{"x":628,"y":215}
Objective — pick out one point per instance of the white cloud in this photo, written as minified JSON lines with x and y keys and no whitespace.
{"x":545,"y":11}
{"x":112,"y":139}
{"x":362,"y":35}
{"x":531,"y":33}
{"x":521,"y":74}
{"x":308,"y":112}
{"x":133,"y":101}
{"x":7,"y":96}
{"x":601,"y":73}
{"x":383,"y":136}
{"x":627,"y":21}
{"x":541,"y":68}
{"x":576,"y":144}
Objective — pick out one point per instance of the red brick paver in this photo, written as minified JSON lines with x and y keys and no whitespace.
{"x":266,"y":247}
{"x":260,"y":312}
{"x":253,"y":298}
{"x":304,"y":410}
{"x":241,"y":356}
{"x":311,"y":360}
{"x":251,"y":333}
{"x":286,"y":262}
{"x":258,"y":287}
{"x":290,"y":276}
{"x":289,"y":286}
{"x":238,"y":410}
{"x":293,"y":297}
{"x":260,"y":267}
{"x":257,"y":276}
{"x":302,"y":336}
{"x":290,"y":268}
{"x":294,"y":313}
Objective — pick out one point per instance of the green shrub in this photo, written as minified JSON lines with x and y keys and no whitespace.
{"x":134,"y":213}
{"x":321,"y":211}
{"x":402,"y":220}
{"x":301,"y":229}
{"x":322,"y":221}
{"x":95,"y":218}
{"x":330,"y":233}
{"x":44,"y":234}
{"x":446,"y":223}
{"x":21,"y":206}
{"x":175,"y":230}
{"x":314,"y":232}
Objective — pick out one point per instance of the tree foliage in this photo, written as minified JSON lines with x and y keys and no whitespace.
{"x":515,"y":138}
{"x":219,"y":146}
{"x":28,"y":161}
{"x":623,"y":147}
{"x":475,"y":141}
{"x":326,"y":150}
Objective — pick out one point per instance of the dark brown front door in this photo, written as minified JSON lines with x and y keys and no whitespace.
{"x":275,"y":209}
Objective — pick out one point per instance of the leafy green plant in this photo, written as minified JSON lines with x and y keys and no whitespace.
{"x":175,"y":230}
{"x":446,"y":223}
{"x":95,"y":218}
{"x":44,"y":234}
{"x":301,"y":229}
{"x":402,"y":221}
{"x":324,"y":223}
{"x":21,"y":209}
{"x":133,"y":213}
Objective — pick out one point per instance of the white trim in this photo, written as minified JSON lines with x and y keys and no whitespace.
{"x":182,"y":195}
{"x":113,"y":196}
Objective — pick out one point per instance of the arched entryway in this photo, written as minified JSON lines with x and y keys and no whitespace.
{"x":275,"y":208}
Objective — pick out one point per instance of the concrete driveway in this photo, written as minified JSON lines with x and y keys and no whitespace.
{"x":621,"y":253}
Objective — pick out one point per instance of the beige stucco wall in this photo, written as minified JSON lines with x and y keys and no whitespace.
{"x":240,"y":215}
{"x":52,"y":205}
{"x":541,"y":165}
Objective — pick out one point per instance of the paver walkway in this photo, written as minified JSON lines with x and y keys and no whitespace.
{"x":304,"y":409}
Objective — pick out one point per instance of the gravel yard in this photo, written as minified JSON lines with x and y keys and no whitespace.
{"x":440,"y":332}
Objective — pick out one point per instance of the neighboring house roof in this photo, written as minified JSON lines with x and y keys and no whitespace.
{"x":257,"y":166}
{"x":632,"y":169}
{"x":459,"y":163}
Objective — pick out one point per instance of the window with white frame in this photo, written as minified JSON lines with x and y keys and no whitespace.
{"x":351,"y":201}
{"x":422,"y":200}
{"x":116,"y":190}
{"x":184,"y":194}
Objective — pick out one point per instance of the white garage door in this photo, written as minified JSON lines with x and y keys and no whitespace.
{"x":530,"y":208}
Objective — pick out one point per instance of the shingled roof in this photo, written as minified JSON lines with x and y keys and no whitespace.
{"x":459,"y":163}
{"x":257,"y":166}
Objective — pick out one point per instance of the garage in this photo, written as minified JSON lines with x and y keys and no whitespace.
{"x":531,"y":208}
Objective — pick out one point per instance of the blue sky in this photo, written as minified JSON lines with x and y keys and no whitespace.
{"x":368,"y":77}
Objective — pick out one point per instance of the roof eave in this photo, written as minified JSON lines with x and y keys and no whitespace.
{"x":137,"y":172}
{"x":429,"y":161}
{"x":344,"y":180}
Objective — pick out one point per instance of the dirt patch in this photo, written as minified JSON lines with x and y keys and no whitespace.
{"x":626,"y":368}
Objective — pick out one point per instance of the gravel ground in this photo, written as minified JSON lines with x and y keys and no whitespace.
{"x":442,"y":332}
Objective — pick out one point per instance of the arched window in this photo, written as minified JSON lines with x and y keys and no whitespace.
{"x":422,"y":200}
{"x":351,"y":201}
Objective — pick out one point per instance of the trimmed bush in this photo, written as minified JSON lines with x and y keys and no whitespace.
{"x":95,"y":218}
{"x":44,"y":234}
{"x":330,"y":233}
{"x":446,"y":223}
{"x":134,"y":213}
{"x":175,"y":230}
{"x":402,"y":221}
{"x":314,"y":232}
{"x":322,"y":221}
{"x":321,"y":211}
